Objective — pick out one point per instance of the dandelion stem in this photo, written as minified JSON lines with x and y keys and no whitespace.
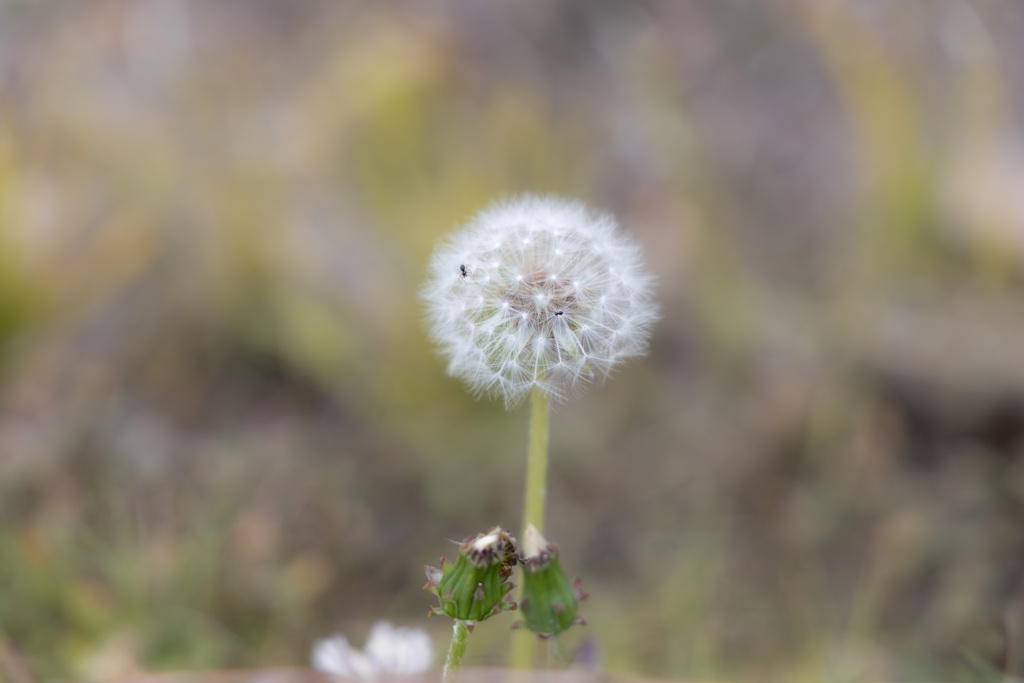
{"x":534,"y":501}
{"x":536,"y":463}
{"x":456,"y":651}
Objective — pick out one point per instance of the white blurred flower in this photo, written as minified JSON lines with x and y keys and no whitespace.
{"x":538,"y":292}
{"x":389,"y":650}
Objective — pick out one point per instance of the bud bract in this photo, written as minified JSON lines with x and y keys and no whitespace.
{"x":550,"y":600}
{"x":476,"y":585}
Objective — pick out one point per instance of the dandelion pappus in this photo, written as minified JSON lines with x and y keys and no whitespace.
{"x":547,"y":294}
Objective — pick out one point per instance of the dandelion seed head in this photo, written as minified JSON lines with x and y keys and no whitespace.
{"x":559,"y":297}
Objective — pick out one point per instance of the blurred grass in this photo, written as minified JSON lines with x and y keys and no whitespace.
{"x":224,"y":435}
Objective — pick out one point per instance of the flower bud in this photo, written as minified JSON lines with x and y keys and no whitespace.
{"x":476,"y":586}
{"x":549,"y":599}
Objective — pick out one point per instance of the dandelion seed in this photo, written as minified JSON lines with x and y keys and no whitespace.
{"x":570,"y":298}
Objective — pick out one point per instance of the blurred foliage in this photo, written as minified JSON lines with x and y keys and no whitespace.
{"x":224,"y":435}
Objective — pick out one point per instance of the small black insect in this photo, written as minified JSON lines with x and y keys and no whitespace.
{"x":464,"y":270}
{"x":560,"y":313}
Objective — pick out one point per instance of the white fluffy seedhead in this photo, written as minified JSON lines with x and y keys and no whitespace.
{"x":538,"y":292}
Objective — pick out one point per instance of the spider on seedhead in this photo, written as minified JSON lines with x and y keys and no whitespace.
{"x":464,"y":271}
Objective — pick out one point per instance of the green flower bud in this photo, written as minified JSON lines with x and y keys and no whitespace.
{"x":476,"y":586}
{"x":549,"y":600}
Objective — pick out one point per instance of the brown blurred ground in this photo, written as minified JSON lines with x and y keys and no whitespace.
{"x":224,"y":435}
{"x":467,"y":675}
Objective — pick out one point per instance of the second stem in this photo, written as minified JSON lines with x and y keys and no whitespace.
{"x":456,"y":651}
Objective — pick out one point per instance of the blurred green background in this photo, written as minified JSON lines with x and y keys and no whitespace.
{"x":224,"y":434}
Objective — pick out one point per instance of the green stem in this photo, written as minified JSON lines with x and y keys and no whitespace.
{"x":534,"y":500}
{"x":456,"y":651}
{"x":555,"y":650}
{"x":536,"y":463}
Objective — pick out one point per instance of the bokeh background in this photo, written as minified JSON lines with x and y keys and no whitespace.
{"x":224,"y":434}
